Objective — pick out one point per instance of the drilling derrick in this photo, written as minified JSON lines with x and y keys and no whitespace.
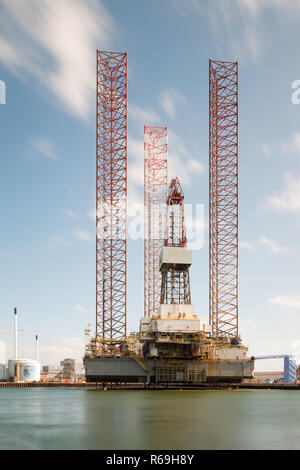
{"x":111,"y":198}
{"x":175,"y":286}
{"x":155,"y":195}
{"x":223,"y":198}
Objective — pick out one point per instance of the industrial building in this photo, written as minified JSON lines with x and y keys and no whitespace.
{"x":174,"y":345}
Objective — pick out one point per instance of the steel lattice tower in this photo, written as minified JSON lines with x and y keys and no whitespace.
{"x":111,"y":195}
{"x":223,"y":198}
{"x":175,"y":282}
{"x":155,"y":196}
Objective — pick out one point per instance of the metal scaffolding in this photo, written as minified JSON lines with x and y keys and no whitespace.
{"x":111,"y":195}
{"x":223,"y":197}
{"x":155,"y":196}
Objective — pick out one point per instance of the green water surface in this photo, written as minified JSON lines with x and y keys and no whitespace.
{"x":41,"y":418}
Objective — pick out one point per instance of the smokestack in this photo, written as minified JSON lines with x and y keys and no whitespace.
{"x":15,"y":334}
{"x":37,"y":347}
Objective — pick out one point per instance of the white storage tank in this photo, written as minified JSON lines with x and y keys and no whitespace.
{"x":3,"y":372}
{"x":24,"y":370}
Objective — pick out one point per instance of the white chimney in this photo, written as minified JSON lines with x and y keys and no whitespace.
{"x":37,"y":347}
{"x":15,"y":334}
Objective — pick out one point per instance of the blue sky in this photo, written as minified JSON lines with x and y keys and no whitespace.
{"x":47,"y":135}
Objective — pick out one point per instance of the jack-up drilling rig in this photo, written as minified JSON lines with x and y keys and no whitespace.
{"x":174,"y":346}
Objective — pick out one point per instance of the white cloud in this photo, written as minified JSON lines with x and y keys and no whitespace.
{"x":142,"y":116}
{"x":83,"y":235}
{"x":289,"y":198}
{"x":72,"y":214}
{"x":180,"y":163}
{"x":135,"y":174}
{"x":59,"y":241}
{"x":195,"y":167}
{"x":62,"y":348}
{"x":135,"y":161}
{"x":246,"y":322}
{"x":296,"y":350}
{"x":92,"y":214}
{"x":256,"y":7}
{"x":292,"y":301}
{"x":247,"y":245}
{"x":135,"y":200}
{"x":292,"y":145}
{"x":46,"y":147}
{"x":56,"y":350}
{"x":242,"y":19}
{"x":169,"y":99}
{"x":54,"y":42}
{"x":80,"y":308}
{"x":266,"y":150}
{"x":4,"y":331}
{"x":253,"y":42}
{"x":274,"y":246}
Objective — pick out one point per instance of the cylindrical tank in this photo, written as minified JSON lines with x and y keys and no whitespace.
{"x":24,"y":370}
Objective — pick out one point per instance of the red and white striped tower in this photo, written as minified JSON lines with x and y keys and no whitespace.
{"x":223,"y":197}
{"x":111,"y":195}
{"x":155,"y":208}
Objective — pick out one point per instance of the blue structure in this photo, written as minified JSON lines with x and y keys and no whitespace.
{"x":289,"y":371}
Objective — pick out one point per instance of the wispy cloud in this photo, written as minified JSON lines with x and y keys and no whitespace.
{"x":46,"y":147}
{"x":143,"y":116}
{"x":292,"y":145}
{"x":54,"y":43}
{"x":80,"y":308}
{"x":59,"y":240}
{"x":4,"y":331}
{"x":72,"y":214}
{"x":135,"y":161}
{"x":242,"y":19}
{"x":83,"y":235}
{"x":62,"y":348}
{"x":180,"y":162}
{"x":246,"y":322}
{"x":169,"y":100}
{"x":288,"y":199}
{"x":92,"y":214}
{"x":274,"y":246}
{"x":290,"y":301}
{"x":266,"y":150}
{"x":247,"y":245}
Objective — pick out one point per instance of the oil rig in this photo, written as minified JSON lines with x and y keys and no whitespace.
{"x":174,"y":346}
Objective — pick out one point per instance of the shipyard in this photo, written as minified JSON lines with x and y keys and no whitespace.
{"x":174,"y":347}
{"x":150,"y":202}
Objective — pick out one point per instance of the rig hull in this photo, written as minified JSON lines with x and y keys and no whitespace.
{"x":192,"y":371}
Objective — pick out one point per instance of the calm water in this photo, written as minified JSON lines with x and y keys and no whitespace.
{"x":82,"y":419}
